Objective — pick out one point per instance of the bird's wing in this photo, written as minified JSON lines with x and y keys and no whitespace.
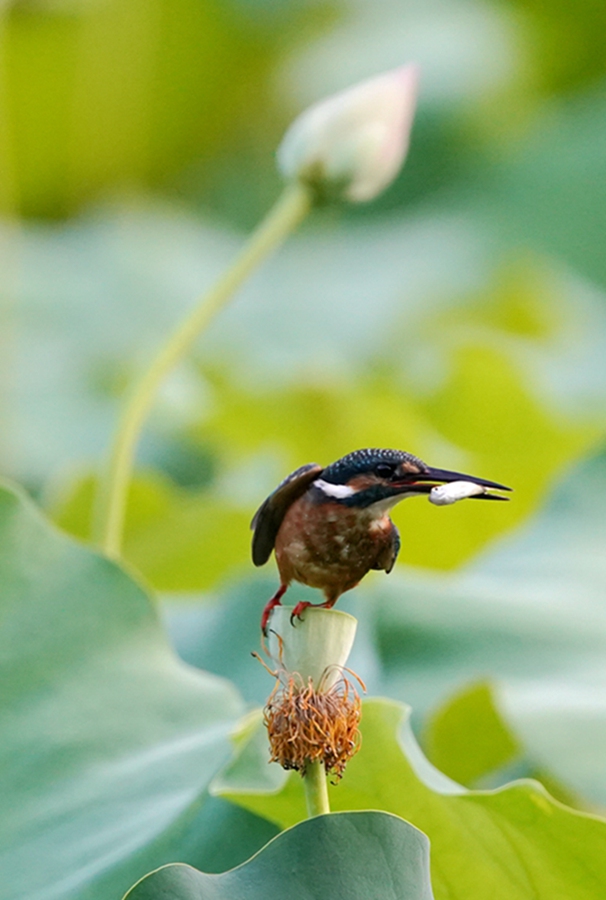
{"x":389,"y":552}
{"x":268,"y":517}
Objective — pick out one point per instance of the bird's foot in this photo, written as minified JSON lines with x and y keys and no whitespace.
{"x":276,"y":600}
{"x":298,"y":609}
{"x":302,"y":605}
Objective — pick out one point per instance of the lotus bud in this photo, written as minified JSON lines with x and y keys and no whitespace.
{"x":317,"y":647}
{"x":313,"y":712}
{"x":353,"y":144}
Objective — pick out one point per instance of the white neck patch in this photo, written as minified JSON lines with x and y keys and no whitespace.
{"x":383,"y":506}
{"x":338,"y":491}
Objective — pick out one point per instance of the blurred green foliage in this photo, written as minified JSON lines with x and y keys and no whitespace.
{"x":568,"y":42}
{"x":470,"y":715}
{"x":108,"y":95}
{"x":469,"y":740}
{"x":179,"y":540}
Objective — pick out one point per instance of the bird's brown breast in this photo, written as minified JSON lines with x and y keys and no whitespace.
{"x":328,"y":545}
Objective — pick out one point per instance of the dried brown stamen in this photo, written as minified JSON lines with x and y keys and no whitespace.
{"x":309,"y":725}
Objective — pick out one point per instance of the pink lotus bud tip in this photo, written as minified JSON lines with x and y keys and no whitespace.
{"x":353,"y":143}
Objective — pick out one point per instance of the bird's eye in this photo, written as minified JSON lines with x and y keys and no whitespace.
{"x":384,"y":471}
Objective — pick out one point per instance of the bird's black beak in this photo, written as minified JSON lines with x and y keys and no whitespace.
{"x":423,"y":482}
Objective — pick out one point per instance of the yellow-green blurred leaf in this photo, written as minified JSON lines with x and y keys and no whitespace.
{"x":122,"y":93}
{"x":466,"y":737}
{"x":179,"y":540}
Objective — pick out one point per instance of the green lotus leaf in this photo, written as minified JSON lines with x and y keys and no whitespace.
{"x":466,"y":737}
{"x":355,"y":855}
{"x":509,"y":844}
{"x":108,"y":740}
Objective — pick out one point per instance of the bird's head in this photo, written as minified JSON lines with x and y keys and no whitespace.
{"x":381,"y":478}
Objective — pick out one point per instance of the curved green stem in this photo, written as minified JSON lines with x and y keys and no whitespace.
{"x":108,"y":526}
{"x":316,"y":789}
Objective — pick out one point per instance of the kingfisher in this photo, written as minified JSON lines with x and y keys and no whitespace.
{"x":329,"y":526}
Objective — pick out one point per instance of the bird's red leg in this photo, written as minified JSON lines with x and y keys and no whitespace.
{"x":275,"y":601}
